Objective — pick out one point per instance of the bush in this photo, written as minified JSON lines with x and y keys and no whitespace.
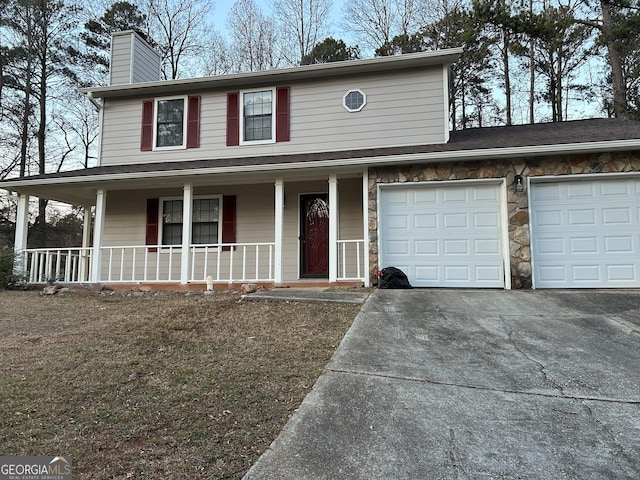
{"x":8,"y":278}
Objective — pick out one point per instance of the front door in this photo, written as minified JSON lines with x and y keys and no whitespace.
{"x":314,"y":235}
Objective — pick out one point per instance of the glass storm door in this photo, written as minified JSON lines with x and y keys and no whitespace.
{"x":314,"y":235}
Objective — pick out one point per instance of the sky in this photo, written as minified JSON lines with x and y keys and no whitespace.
{"x":222,"y":8}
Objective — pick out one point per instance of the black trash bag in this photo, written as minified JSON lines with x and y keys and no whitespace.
{"x":392,"y":277}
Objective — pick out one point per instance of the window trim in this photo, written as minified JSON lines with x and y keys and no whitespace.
{"x":195,"y":197}
{"x":185,"y":121}
{"x":273,"y":116}
{"x":344,"y":100}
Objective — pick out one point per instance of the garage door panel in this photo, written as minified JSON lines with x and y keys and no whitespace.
{"x":620,"y":189}
{"x":550,"y":246}
{"x":487,"y":246}
{"x":546,"y":218}
{"x":426,"y":247}
{"x":426,"y":221}
{"x":586,"y":233}
{"x":455,"y":220}
{"x":582,"y":217}
{"x":455,"y":195}
{"x":622,"y":273}
{"x":487,"y":273}
{"x":614,"y":216}
{"x":422,"y":197}
{"x":580,"y":190}
{"x":619,"y":244}
{"x":487,"y":220}
{"x":584,"y":245}
{"x":398,"y":247}
{"x":454,"y":234}
{"x":426,"y":274}
{"x":397,"y":221}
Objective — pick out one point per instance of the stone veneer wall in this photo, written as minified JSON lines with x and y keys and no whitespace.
{"x":517,"y":203}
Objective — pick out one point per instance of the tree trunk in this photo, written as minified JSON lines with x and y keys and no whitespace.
{"x":620,"y":108}
{"x":42,"y":127}
{"x":507,"y":76}
{"x":532,"y":74}
{"x":24,"y":140}
{"x":559,"y":85}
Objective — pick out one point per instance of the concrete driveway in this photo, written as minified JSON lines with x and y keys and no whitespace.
{"x":446,"y":384}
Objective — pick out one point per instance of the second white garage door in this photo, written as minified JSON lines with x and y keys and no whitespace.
{"x":586,"y":233}
{"x":447,"y":235}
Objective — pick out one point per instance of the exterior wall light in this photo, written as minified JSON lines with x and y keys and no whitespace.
{"x":518,"y":183}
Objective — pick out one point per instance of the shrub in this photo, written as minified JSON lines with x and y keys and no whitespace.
{"x":8,"y":278}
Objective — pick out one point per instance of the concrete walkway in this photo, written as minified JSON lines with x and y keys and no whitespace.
{"x":322,"y":295}
{"x":441,"y":384}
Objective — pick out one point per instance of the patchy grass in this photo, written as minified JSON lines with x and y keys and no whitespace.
{"x":167,"y":386}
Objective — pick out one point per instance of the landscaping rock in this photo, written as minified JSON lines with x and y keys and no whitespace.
{"x":248,"y":288}
{"x":51,"y":289}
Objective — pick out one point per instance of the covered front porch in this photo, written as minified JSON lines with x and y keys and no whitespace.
{"x":202,"y":231}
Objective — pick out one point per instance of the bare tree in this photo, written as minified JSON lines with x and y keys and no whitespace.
{"x":215,"y":59}
{"x":371,"y":21}
{"x":375,"y":22}
{"x":254,"y":41}
{"x":305,"y":22}
{"x":78,"y":127}
{"x":179,"y":27}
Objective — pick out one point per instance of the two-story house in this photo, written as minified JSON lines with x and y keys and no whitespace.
{"x":325,"y":173}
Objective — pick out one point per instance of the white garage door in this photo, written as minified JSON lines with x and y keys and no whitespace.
{"x":443,"y":235}
{"x":586,"y":233}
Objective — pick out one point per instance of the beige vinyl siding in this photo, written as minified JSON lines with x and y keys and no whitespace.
{"x":125,"y":225}
{"x":146,"y":63}
{"x":120,"y":72}
{"x":402,"y":109}
{"x":350,"y":221}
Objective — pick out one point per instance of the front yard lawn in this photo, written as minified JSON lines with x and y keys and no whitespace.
{"x":160,"y":386}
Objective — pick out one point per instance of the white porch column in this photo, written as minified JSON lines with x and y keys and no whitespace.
{"x":187,"y":214}
{"x":22,"y":224}
{"x":333,"y":228}
{"x":365,"y":225}
{"x":86,"y":240}
{"x":98,"y":234}
{"x":20,"y":239}
{"x":279,"y":226}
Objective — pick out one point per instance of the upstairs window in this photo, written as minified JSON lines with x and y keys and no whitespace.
{"x":170,"y":123}
{"x":257,"y":117}
{"x":354,"y":100}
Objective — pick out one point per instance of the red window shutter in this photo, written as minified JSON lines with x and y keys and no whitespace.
{"x":228,"y":220}
{"x":146,"y":137}
{"x":282,"y":114}
{"x":233,"y":118}
{"x":153,"y":206}
{"x":193,"y":122}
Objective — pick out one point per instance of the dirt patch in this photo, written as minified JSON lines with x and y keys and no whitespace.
{"x":159,"y":386}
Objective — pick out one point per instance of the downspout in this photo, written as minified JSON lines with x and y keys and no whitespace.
{"x":95,"y":103}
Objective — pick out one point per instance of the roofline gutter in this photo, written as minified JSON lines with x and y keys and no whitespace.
{"x":304,"y":72}
{"x":431,"y":157}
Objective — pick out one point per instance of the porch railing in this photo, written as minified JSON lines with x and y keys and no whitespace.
{"x":237,"y":262}
{"x":351,"y":260}
{"x":49,"y":265}
{"x":224,"y":262}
